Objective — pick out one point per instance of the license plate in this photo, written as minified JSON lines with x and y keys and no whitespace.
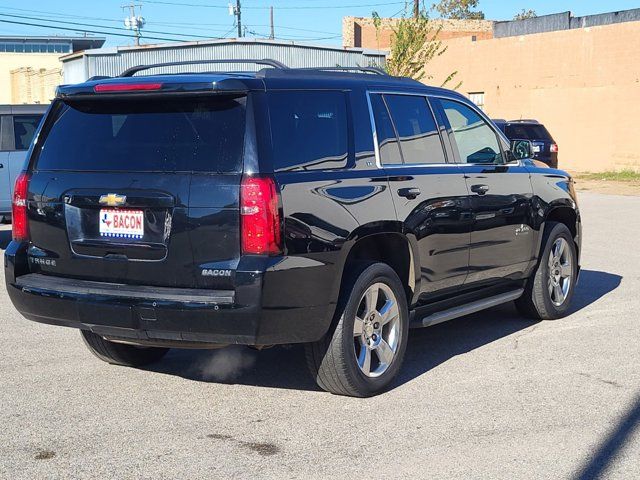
{"x":121,"y":223}
{"x":536,"y":148}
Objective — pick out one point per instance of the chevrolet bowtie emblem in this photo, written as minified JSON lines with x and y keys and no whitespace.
{"x":113,"y":200}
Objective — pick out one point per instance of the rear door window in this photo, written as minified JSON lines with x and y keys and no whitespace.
{"x":388,"y":145}
{"x":185,"y":134}
{"x":309,"y":130}
{"x":24,"y":128}
{"x":419,"y":138}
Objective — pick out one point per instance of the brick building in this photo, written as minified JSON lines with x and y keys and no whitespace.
{"x":361,"y":32}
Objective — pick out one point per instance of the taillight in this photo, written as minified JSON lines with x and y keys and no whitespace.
{"x":19,"y":207}
{"x":554,"y":148}
{"x":126,"y":87}
{"x":259,"y":216}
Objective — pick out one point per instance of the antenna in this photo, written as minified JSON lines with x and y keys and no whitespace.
{"x":134,"y":22}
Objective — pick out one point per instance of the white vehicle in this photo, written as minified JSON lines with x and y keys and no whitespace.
{"x":18,"y":125}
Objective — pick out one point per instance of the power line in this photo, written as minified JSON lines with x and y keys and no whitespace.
{"x":48,"y":18}
{"x":289,"y":37}
{"x":24,"y":17}
{"x":164,"y":24}
{"x":187,"y":24}
{"x":159,"y":34}
{"x":299,"y":7}
{"x":83,"y":30}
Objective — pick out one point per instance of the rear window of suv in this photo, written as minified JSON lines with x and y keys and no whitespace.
{"x":171,"y":134}
{"x":527,"y":132}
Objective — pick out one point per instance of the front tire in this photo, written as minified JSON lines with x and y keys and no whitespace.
{"x":548,"y":293}
{"x":363,"y":352}
{"x":121,"y":354}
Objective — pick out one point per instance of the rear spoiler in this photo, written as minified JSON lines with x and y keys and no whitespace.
{"x":108,"y":88}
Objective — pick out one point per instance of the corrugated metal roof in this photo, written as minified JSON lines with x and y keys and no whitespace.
{"x":113,"y":61}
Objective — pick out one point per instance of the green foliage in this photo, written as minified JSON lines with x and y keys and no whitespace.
{"x":619,"y":176}
{"x":414,"y":44}
{"x":524,"y":14}
{"x":459,"y":9}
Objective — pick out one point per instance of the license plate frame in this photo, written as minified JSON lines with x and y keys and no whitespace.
{"x":119,"y":223}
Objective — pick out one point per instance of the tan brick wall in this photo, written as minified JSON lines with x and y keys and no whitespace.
{"x":13,"y":88}
{"x":361,"y":32}
{"x":34,"y":86}
{"x":583,"y":84}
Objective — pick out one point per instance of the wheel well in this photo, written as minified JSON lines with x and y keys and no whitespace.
{"x":390,"y":248}
{"x":564,"y":215}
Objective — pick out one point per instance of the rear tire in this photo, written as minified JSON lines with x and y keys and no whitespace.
{"x":363,"y":351}
{"x":121,"y":354}
{"x":549,"y":290}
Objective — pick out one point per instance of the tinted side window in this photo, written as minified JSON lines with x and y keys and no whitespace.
{"x":24,"y":128}
{"x":417,"y":129}
{"x":475,"y":139}
{"x":308,"y":129}
{"x":387,"y":139}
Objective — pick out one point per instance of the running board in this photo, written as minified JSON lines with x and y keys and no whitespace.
{"x":467,"y":309}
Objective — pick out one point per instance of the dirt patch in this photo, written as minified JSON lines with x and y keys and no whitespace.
{"x":610,"y":187}
{"x":45,"y":455}
{"x":219,"y":436}
{"x":264,"y":449}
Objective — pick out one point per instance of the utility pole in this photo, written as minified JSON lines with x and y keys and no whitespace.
{"x":239,"y":15}
{"x":273,"y":35}
{"x":134,"y":22}
{"x":416,"y":8}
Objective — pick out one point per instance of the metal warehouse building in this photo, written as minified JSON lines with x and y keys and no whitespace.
{"x":78,"y":67}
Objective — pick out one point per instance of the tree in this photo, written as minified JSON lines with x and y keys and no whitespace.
{"x":459,"y":9}
{"x":414,"y":44}
{"x":524,"y":14}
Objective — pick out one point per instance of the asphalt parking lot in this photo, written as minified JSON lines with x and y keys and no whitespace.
{"x":487,"y":396}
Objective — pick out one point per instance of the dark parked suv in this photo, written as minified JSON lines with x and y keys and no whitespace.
{"x":326,"y":207}
{"x":545,"y":148}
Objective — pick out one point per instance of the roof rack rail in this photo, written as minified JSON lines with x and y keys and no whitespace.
{"x":130,"y":72}
{"x":374,"y":70}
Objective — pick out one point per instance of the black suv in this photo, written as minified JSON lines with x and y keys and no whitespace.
{"x":545,"y":148}
{"x":332,"y":208}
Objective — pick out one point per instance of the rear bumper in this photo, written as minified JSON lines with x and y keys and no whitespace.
{"x":249,"y":315}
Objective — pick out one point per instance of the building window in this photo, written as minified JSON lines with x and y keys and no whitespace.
{"x":477,"y":98}
{"x":34,"y":47}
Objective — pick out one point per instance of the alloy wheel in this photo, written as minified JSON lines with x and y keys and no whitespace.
{"x":560,"y":271}
{"x":376,"y":330}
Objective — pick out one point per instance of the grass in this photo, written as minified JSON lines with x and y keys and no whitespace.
{"x":621,"y":176}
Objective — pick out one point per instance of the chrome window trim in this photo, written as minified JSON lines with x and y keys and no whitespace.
{"x":375,"y":134}
{"x":496,"y":130}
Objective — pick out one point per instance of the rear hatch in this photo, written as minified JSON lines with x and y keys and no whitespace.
{"x":537,"y":133}
{"x":140,"y":190}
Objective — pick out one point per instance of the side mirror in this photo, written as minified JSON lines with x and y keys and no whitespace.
{"x":521,"y":149}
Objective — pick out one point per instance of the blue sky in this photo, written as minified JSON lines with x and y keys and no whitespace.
{"x":318,"y":22}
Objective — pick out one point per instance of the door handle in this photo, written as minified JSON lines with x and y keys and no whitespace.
{"x":480,"y":189}
{"x":410,"y":193}
{"x":1,"y":165}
